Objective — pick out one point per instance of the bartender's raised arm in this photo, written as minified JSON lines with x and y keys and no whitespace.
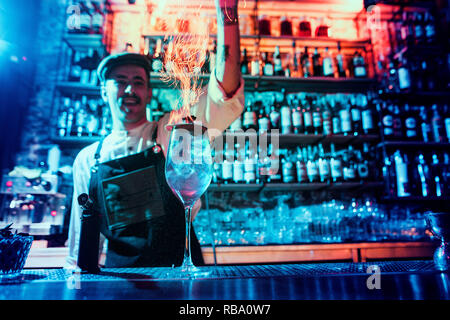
{"x":228,"y":56}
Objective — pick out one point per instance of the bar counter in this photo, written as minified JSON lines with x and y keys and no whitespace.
{"x":397,"y":280}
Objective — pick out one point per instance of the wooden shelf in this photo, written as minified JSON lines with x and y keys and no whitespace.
{"x":355,"y":252}
{"x":82,"y":42}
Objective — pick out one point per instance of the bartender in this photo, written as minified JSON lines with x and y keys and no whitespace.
{"x":136,"y":149}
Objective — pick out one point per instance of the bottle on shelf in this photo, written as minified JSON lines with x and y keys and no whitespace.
{"x":436,"y":176}
{"x":300,"y":164}
{"x":308,"y":118}
{"x":324,"y":166}
{"x":238,"y":164}
{"x":275,"y":169}
{"x":158,"y":58}
{"x":397,"y":123}
{"x":359,"y":66}
{"x":356,"y":120}
{"x":287,"y":167}
{"x":362,"y":166}
{"x":345,"y":116}
{"x":277,"y":63}
{"x":249,"y":118}
{"x":368,"y":123}
{"x":306,"y":64}
{"x":410,"y":123}
{"x":328,"y":64}
{"x":423,"y":176}
{"x":340,"y":67}
{"x":447,"y":121}
{"x":401,"y":174}
{"x":244,"y":62}
{"x":317,"y":63}
{"x":425,"y":127}
{"x":335,"y":165}
{"x":256,"y":62}
{"x":335,"y":117}
{"x":327,"y":121}
{"x":285,"y":114}
{"x":62,"y":118}
{"x":297,"y":118}
{"x":267,"y":64}
{"x":227,"y":164}
{"x":311,"y":164}
{"x":348,"y":165}
{"x":437,"y":127}
{"x":404,"y":79}
{"x":263,"y":119}
{"x":274,"y":115}
{"x":317,"y":117}
{"x":250,"y":164}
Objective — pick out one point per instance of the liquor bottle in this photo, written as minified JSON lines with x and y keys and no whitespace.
{"x":275,"y":170}
{"x":355,"y":112}
{"x":263,"y":120}
{"x":417,"y":83}
{"x":368,"y":124}
{"x":393,"y":77}
{"x":311,"y":165}
{"x":238,"y":164}
{"x":263,"y":25}
{"x":267,"y":64}
{"x":437,"y":127}
{"x":324,"y":166}
{"x":308,"y":119}
{"x":285,"y":114}
{"x":327,"y":123}
{"x":419,"y":32}
{"x":244,"y":62}
{"x":348,"y":165}
{"x":345,"y":119}
{"x":401,"y":174}
{"x":304,"y":28}
{"x":404,"y":78}
{"x":97,"y":18}
{"x":295,"y":61}
{"x":317,"y":117}
{"x":335,"y":117}
{"x":317,"y":65}
{"x":75,"y":70}
{"x":158,"y":58}
{"x":297,"y":118}
{"x":62,"y":119}
{"x":335,"y":165}
{"x":287,"y":167}
{"x":359,"y":66}
{"x":277,"y":63}
{"x":285,"y":27}
{"x":447,"y":121}
{"x":362,"y":165}
{"x":430,"y":31}
{"x":85,"y":64}
{"x":423,"y":173}
{"x":250,"y":164}
{"x":388,"y":172}
{"x":274,"y":114}
{"x":227,"y":165}
{"x":425,"y":127}
{"x":385,"y":109}
{"x":397,"y":123}
{"x":436,"y":176}
{"x":249,"y":118}
{"x":328,"y":67}
{"x":302,"y":175}
{"x":340,"y":62}
{"x":306,"y":64}
{"x":256,"y":62}
{"x":410,"y":123}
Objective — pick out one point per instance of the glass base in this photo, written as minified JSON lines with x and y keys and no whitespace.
{"x":188,"y":272}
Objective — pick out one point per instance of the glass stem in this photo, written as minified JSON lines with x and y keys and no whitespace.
{"x":187,"y":261}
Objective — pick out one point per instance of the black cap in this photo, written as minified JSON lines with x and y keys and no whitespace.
{"x":114,"y":60}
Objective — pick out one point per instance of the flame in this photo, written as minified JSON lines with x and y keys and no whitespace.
{"x":185,"y":53}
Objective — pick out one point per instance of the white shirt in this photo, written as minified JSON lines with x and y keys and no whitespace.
{"x":214,"y":110}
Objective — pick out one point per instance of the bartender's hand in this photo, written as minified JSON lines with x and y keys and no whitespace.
{"x":228,"y":45}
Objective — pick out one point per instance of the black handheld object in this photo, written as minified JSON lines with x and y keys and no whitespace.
{"x":89,"y":236}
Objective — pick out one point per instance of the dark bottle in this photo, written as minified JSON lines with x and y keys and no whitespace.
{"x":275,"y":169}
{"x":425,"y":126}
{"x":287,"y":167}
{"x":297,"y":118}
{"x":324,"y":165}
{"x":401,"y":174}
{"x":304,"y":28}
{"x":327,"y":123}
{"x":308,"y":119}
{"x":335,"y":118}
{"x":75,"y":69}
{"x":359,"y":66}
{"x":311,"y":165}
{"x":410,"y":123}
{"x":430,"y":31}
{"x":306,"y":64}
{"x":419,"y":28}
{"x":387,"y":120}
{"x":346,"y":119}
{"x":348,"y":165}
{"x":317,"y":117}
{"x":423,"y":176}
{"x":277,"y":63}
{"x":437,"y":126}
{"x":249,"y":119}
{"x":295,"y":61}
{"x":404,"y":78}
{"x":340,"y":62}
{"x":362,"y":166}
{"x":285,"y":114}
{"x":268,"y":65}
{"x":393,"y":78}
{"x":356,"y":116}
{"x":89,"y":236}
{"x":317,"y":63}
{"x":285,"y":27}
{"x":302,"y":174}
{"x":335,"y":165}
{"x":397,"y":123}
{"x":245,"y":62}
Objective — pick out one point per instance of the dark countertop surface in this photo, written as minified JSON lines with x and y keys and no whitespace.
{"x":391,"y":280}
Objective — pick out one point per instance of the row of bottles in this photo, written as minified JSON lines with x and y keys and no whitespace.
{"x":332,"y":221}
{"x":417,"y":174}
{"x":83,"y":67}
{"x":85,"y":17}
{"x":323,"y":63}
{"x":415,"y":122}
{"x":327,"y":114}
{"x":310,"y":164}
{"x":83,"y":117}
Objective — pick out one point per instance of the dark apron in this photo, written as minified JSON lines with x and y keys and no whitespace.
{"x":139,"y":215}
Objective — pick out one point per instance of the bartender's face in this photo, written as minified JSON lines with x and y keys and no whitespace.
{"x":127,"y":92}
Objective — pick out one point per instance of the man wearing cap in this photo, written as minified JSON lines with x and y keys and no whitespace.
{"x":123,"y":174}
